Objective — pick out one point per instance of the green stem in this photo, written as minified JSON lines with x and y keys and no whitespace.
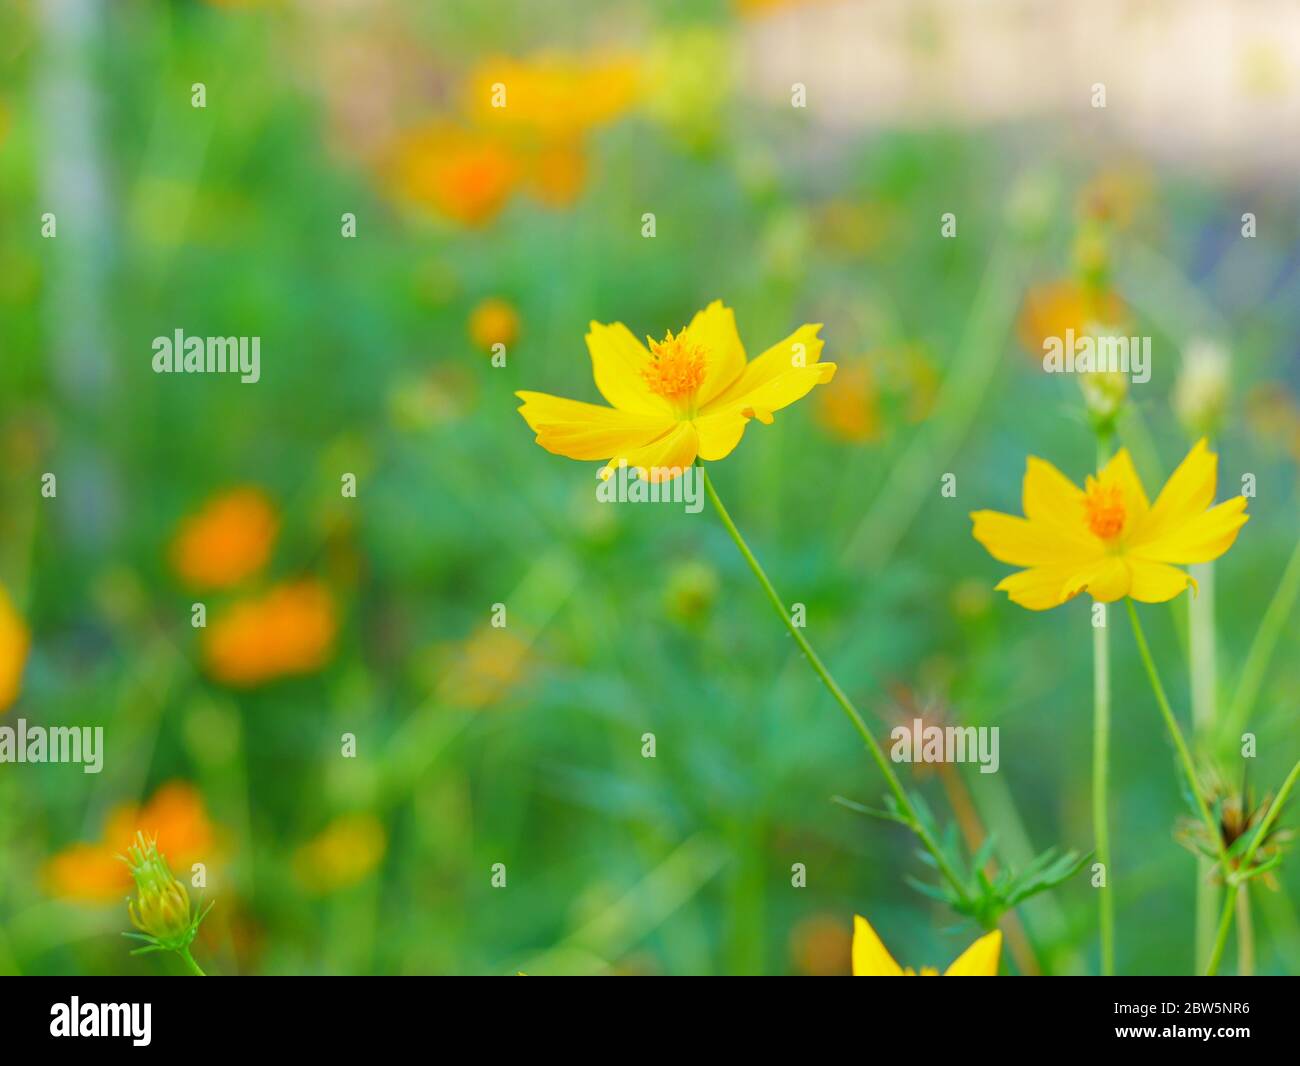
{"x":190,"y":964}
{"x":1185,"y":756}
{"x":1101,"y":770}
{"x":1202,"y":654}
{"x":1271,"y":817}
{"x":1225,"y":923}
{"x":1263,"y":646}
{"x":895,"y":786}
{"x":1171,"y":723}
{"x":1100,"y":777}
{"x":1245,"y":934}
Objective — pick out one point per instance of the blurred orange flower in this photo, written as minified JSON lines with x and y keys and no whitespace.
{"x":92,"y":873}
{"x":850,"y":409}
{"x":1051,"y":309}
{"x":342,"y":854}
{"x":872,"y":396}
{"x":288,"y":630}
{"x":820,"y":946}
{"x":464,"y":174}
{"x":493,"y":321}
{"x":229,"y":539}
{"x":525,"y":120}
{"x":15,"y":640}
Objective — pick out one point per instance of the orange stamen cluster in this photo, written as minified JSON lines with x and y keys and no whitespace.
{"x":1104,"y":505}
{"x":676,"y":367}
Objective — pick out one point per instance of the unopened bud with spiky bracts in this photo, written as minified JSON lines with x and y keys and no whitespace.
{"x":161,"y":908}
{"x":1239,"y":818}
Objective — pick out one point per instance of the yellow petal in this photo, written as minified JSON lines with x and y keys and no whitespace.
{"x":800,"y":350}
{"x":1039,"y":588}
{"x":775,"y":394}
{"x":1200,"y":539}
{"x":587,"y":430}
{"x":617,"y":359}
{"x":1021,"y":542}
{"x":719,"y":434}
{"x":980,"y":959}
{"x":1188,"y":492}
{"x":1051,"y":499}
{"x":662,"y":459}
{"x":1156,"y":582}
{"x":1120,"y":472}
{"x":1106,"y":580}
{"x":870,"y":959}
{"x":715,"y":329}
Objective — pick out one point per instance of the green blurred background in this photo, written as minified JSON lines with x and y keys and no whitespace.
{"x":523,"y":745}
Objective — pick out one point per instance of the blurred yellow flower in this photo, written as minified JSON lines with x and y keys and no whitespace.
{"x":688,"y":395}
{"x":1051,"y":309}
{"x":1273,"y":416}
{"x":1106,"y":539}
{"x":758,"y":8}
{"x":689,"y":73}
{"x":690,"y":590}
{"x":871,"y":959}
{"x":553,"y":94}
{"x":1116,"y":194}
{"x":493,"y":321}
{"x":15,"y":640}
{"x":464,"y":174}
{"x":92,"y":873}
{"x":481,"y":670}
{"x":229,"y":539}
{"x":288,"y":630}
{"x":557,"y":171}
{"x":342,"y":854}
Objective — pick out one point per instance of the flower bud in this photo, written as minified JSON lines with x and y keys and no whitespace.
{"x":161,"y":908}
{"x":1201,"y":389}
{"x":1104,"y":392}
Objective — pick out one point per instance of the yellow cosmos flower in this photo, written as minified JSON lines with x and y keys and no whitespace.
{"x":15,"y":640}
{"x":689,"y":395}
{"x":1106,"y":539}
{"x":871,"y":959}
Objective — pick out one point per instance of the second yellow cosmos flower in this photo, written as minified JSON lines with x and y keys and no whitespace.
{"x":1106,"y":538}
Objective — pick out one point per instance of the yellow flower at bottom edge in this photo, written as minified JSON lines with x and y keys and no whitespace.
{"x":1106,"y":539}
{"x":872,"y":959}
{"x":688,"y":395}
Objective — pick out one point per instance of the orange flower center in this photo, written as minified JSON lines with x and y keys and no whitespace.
{"x":676,"y":367}
{"x":1105,"y":508}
